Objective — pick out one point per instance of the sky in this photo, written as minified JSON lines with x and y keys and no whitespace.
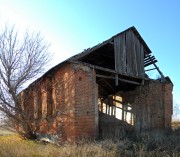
{"x":71,"y":26}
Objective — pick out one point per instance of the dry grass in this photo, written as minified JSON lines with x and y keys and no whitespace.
{"x":14,"y":146}
{"x":4,"y":131}
{"x":175,"y":124}
{"x":153,"y":144}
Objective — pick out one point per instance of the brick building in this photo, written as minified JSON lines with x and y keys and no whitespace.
{"x":103,"y":89}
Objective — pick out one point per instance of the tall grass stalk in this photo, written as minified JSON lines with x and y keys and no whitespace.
{"x":149,"y":144}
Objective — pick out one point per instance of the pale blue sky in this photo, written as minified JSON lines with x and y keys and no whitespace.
{"x":74,"y":25}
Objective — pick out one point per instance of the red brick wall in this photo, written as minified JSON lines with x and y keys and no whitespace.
{"x":86,"y":102}
{"x":64,"y":103}
{"x":64,"y":86}
{"x":152,"y":105}
{"x":168,"y":103}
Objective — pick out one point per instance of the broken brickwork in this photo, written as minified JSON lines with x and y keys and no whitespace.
{"x":101,"y":90}
{"x":151,"y":105}
{"x":64,"y":103}
{"x":146,"y":108}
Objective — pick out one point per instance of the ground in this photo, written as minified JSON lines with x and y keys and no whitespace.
{"x":153,"y":144}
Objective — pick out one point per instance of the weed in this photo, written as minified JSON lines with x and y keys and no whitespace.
{"x":151,"y":144}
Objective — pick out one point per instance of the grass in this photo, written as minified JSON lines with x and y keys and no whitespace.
{"x":4,"y":131}
{"x":175,"y":124}
{"x":14,"y":146}
{"x":152,"y":144}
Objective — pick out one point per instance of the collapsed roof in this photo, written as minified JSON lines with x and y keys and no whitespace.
{"x":119,"y":62}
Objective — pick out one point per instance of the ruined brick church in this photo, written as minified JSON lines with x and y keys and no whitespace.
{"x":104,"y":88}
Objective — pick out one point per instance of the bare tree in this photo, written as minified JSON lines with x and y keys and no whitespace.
{"x":21,"y":60}
{"x":176,"y":111}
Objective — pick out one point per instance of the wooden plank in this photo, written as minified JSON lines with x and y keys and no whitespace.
{"x":131,"y":55}
{"x":117,"y":101}
{"x":152,"y":57}
{"x":116,"y":80}
{"x":147,"y":56}
{"x":134,"y":40}
{"x":120,"y":54}
{"x":117,"y":52}
{"x":136,"y":73}
{"x":150,"y":69}
{"x":140,"y":57}
{"x":142,"y":72}
{"x":150,"y":63}
{"x":120,"y":79}
{"x":147,"y":61}
{"x":137,"y":50}
{"x":128,"y":81}
{"x":103,"y":69}
{"x":123,"y":54}
{"x":105,"y":76}
{"x":162,"y":76}
{"x":128,"y":56}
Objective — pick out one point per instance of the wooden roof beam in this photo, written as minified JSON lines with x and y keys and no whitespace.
{"x":162,"y":76}
{"x":147,"y":64}
{"x":104,"y":69}
{"x":149,"y":61}
{"x":152,"y":57}
{"x":150,"y":69}
{"x":120,"y":79}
